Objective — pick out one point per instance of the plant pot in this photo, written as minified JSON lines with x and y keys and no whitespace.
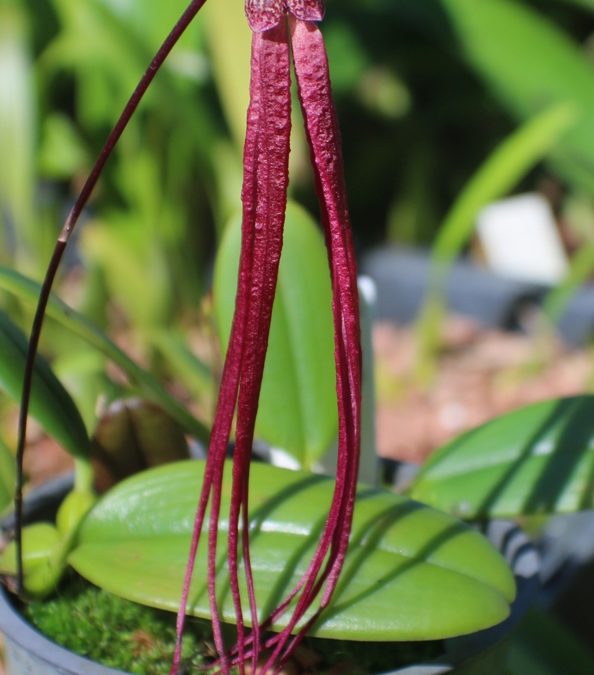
{"x":401,"y":276}
{"x":28,"y":652}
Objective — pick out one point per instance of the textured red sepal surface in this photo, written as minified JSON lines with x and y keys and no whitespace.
{"x":263,"y":15}
{"x":265,"y":197}
{"x":315,"y":95}
{"x":306,"y":10}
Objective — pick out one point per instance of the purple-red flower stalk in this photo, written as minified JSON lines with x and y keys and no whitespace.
{"x":264,"y":196}
{"x":281,"y":28}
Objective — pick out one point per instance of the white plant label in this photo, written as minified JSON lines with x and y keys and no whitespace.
{"x":520,"y":240}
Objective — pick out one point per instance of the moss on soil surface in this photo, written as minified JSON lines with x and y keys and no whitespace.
{"x":138,"y":639}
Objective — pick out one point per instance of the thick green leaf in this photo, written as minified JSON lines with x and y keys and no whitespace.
{"x":28,"y":290}
{"x":535,"y":460}
{"x":51,"y":404}
{"x":411,"y":572}
{"x":298,"y":401}
{"x":531,"y":64}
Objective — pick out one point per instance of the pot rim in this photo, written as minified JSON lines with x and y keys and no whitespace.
{"x":20,"y":633}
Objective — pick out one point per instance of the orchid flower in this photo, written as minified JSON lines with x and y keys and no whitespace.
{"x":283,"y":31}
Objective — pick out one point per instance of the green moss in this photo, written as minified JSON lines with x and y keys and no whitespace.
{"x":137,"y":639}
{"x":115,"y":632}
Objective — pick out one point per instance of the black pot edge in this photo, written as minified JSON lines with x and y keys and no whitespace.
{"x":20,"y":637}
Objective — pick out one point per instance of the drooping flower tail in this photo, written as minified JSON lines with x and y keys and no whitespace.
{"x":311,"y":67}
{"x":323,"y":571}
{"x":271,"y":95}
{"x":264,"y":194}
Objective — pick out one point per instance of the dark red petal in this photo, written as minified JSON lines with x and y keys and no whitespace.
{"x":264,"y":197}
{"x":311,"y":67}
{"x":263,"y":15}
{"x":267,"y":191}
{"x":306,"y":10}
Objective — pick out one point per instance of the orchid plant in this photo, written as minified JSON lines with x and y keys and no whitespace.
{"x":322,"y":525}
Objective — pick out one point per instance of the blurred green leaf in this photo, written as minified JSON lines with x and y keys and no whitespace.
{"x":126,"y":253}
{"x":17,"y":128}
{"x":411,"y":573}
{"x":531,"y":65}
{"x":513,"y":158}
{"x":229,"y":39}
{"x":542,"y":645}
{"x":7,"y":475}
{"x":28,"y":290}
{"x":194,"y":373}
{"x":51,"y":404}
{"x":538,"y":459}
{"x":298,"y":401}
{"x":500,"y":172}
{"x":62,"y":153}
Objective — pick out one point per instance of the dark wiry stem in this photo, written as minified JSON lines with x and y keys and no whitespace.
{"x":60,"y":247}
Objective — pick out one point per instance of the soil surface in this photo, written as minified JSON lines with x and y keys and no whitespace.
{"x":479,"y":374}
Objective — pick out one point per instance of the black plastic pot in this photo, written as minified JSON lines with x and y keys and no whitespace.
{"x":28,"y":652}
{"x":401,"y":276}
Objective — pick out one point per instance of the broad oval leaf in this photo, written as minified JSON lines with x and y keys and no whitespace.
{"x":538,"y":459}
{"x":298,"y":401}
{"x":51,"y":404}
{"x":411,"y":573}
{"x":531,"y":64}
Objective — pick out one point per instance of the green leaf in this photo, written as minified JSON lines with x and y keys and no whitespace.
{"x":230,"y":60}
{"x":28,"y":290}
{"x":531,"y":64}
{"x":7,"y":475}
{"x":537,"y":459}
{"x":511,"y":160}
{"x":298,"y":401}
{"x":500,"y":172}
{"x":411,"y":572}
{"x":44,"y":553}
{"x":17,"y":128}
{"x":51,"y":404}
